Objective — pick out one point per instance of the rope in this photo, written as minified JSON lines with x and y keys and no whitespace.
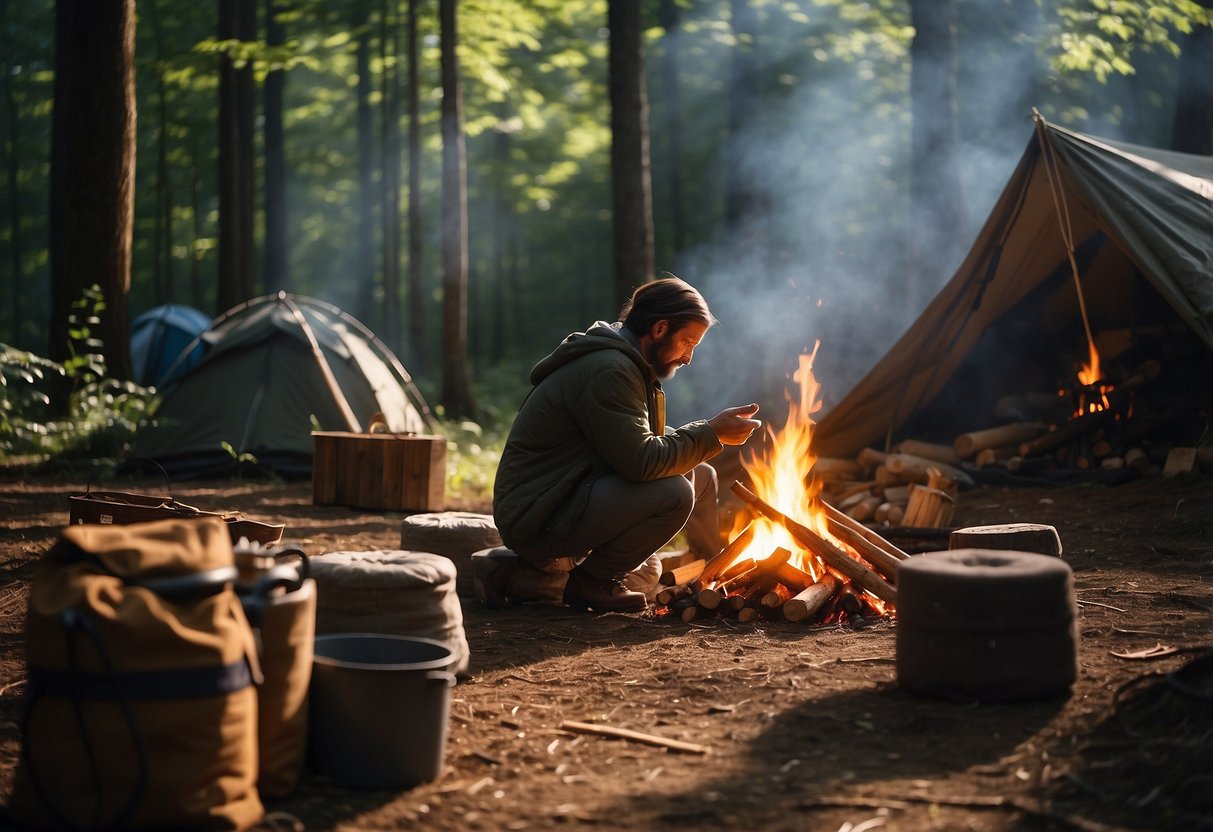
{"x":1062,"y":208}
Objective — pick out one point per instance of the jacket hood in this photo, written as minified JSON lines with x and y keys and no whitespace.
{"x":600,"y":336}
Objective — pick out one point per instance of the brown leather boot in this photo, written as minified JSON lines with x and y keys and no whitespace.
{"x":608,"y":595}
{"x":500,"y":578}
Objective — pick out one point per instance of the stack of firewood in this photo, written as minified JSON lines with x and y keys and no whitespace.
{"x":915,"y":485}
{"x":748,"y":588}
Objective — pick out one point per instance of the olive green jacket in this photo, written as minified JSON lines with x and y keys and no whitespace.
{"x":596,"y":407}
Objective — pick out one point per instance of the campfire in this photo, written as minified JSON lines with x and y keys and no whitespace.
{"x":791,"y":556}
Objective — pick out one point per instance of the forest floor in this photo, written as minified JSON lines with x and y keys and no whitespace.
{"x":807,"y":727}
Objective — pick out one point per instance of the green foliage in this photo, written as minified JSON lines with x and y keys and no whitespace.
{"x":102,"y":412}
{"x":1101,"y":37}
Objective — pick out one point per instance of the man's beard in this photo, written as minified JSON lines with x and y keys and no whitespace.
{"x":664,"y":370}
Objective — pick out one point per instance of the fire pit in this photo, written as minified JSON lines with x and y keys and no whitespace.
{"x":807,"y":561}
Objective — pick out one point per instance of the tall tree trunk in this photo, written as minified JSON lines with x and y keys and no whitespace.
{"x":937,"y":200}
{"x":99,"y":160}
{"x":12,"y":178}
{"x":365,"y":268}
{"x":62,"y":119}
{"x":197,"y":291}
{"x":742,"y":204}
{"x":1192,"y":131}
{"x":162,"y":234}
{"x":391,"y":177}
{"x":237,"y":20}
{"x":501,"y":210}
{"x":631,"y":186}
{"x":418,"y":327}
{"x":277,"y":263}
{"x":668,"y":15}
{"x":456,"y":382}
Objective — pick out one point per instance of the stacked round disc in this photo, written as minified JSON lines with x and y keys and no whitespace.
{"x":986,"y":625}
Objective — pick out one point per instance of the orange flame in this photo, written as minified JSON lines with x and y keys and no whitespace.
{"x":783,"y":477}
{"x":1088,"y":376}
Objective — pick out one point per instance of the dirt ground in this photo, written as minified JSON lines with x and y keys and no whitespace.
{"x":807,"y":727}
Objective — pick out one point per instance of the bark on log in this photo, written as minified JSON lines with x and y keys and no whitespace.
{"x":806,"y":604}
{"x":1019,"y":537}
{"x":833,"y":557}
{"x":1009,"y":435}
{"x":917,"y":469}
{"x":722,"y":561}
{"x":836,"y":520}
{"x":683,"y":574}
{"x":794,"y":578}
{"x":929,"y":450}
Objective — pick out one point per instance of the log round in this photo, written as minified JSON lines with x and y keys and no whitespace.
{"x":452,"y":534}
{"x":1019,"y":537}
{"x":986,"y":625}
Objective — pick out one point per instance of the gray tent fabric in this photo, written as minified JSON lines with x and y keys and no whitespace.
{"x":276,"y":368}
{"x":1136,"y":213}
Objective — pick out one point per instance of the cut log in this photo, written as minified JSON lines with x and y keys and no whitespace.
{"x":712,"y":598}
{"x":830,"y":554}
{"x":885,"y":477}
{"x":765,"y":575}
{"x":1016,"y":537}
{"x":870,"y":458}
{"x":836,"y":520}
{"x":851,"y":500}
{"x":670,"y":594}
{"x":882,"y":561}
{"x":929,"y":450}
{"x":684,"y":574}
{"x":806,"y":604}
{"x":1010,"y":435}
{"x":993,"y":456}
{"x":1139,"y":460}
{"x":1179,"y":461}
{"x":865,"y":509}
{"x":724,"y":559}
{"x":916,"y":469}
{"x":836,"y":468}
{"x":793,"y":578}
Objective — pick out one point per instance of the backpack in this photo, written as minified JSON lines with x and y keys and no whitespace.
{"x":140,"y":710}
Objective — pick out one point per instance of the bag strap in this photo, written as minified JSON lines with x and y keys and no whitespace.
{"x":75,"y":623}
{"x":168,"y":485}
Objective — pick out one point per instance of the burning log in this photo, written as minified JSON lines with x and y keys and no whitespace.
{"x":806,"y":604}
{"x":1005,"y":436}
{"x":722,"y":561}
{"x":684,"y":574}
{"x":846,"y":528}
{"x":833,"y":557}
{"x":794,"y":579}
{"x":1064,"y":432}
{"x":713,"y":597}
{"x":766,"y":575}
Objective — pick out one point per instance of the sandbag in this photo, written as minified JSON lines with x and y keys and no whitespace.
{"x":390,"y":592}
{"x":141,"y":711}
{"x":453,"y":534}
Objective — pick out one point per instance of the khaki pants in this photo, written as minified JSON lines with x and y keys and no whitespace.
{"x":626,"y":521}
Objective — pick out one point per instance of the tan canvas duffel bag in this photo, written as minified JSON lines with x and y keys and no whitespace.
{"x":141,"y":709}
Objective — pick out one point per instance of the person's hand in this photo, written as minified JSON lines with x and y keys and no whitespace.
{"x":734,"y":425}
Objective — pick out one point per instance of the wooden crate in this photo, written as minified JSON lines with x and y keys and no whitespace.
{"x":397,"y":472}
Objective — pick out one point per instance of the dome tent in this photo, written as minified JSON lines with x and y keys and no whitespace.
{"x":159,"y":336}
{"x":274,"y":369}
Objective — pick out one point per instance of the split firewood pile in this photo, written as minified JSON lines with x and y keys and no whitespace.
{"x":1097,"y":426}
{"x":857,"y":581}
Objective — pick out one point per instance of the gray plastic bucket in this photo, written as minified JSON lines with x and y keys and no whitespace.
{"x":379,"y":708}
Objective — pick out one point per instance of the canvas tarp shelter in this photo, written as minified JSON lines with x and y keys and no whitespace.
{"x":1135,"y":216}
{"x":275,"y":369}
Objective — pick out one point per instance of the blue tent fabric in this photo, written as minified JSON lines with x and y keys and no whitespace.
{"x":158,"y":338}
